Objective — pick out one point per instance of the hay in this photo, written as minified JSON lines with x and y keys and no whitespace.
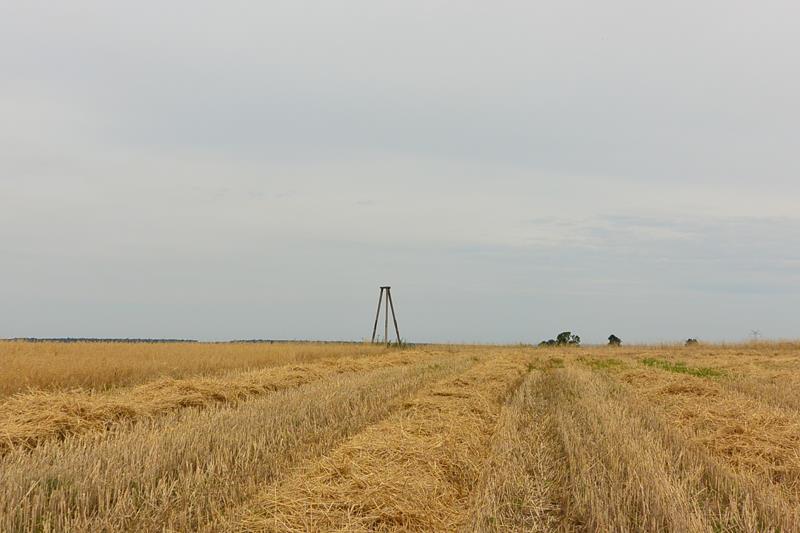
{"x":582,"y":447}
{"x":412,"y":472}
{"x":28,"y":419}
{"x":179,"y":471}
{"x":755,"y":438}
{"x":104,"y":365}
{"x":518,"y":487}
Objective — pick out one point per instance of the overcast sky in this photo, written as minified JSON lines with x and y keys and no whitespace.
{"x":219,"y":170}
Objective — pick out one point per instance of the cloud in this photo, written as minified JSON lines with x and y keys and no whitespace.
{"x":534,"y":165}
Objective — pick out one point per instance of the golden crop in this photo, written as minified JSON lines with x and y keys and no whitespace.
{"x":299,"y":437}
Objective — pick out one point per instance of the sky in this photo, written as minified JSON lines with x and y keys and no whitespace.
{"x":228,"y":170}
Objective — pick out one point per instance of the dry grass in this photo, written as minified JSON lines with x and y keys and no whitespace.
{"x":518,"y":487}
{"x":26,"y":420}
{"x":754,"y":437}
{"x":414,"y":471}
{"x":629,"y":470}
{"x":576,"y":450}
{"x":658,"y":438}
{"x":90,"y":365}
{"x":620,"y":476}
{"x":182,"y":470}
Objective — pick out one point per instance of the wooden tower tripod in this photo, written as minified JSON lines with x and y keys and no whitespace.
{"x":389,"y":304}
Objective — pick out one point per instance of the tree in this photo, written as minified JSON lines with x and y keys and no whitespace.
{"x":613,"y":340}
{"x":567,"y":338}
{"x":691,"y":342}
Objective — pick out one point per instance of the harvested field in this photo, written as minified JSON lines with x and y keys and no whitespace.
{"x":752,"y":437}
{"x":186,"y":468}
{"x":518,"y":486}
{"x":104,"y":365}
{"x":470,"y":438}
{"x":30,"y":418}
{"x":413,"y":471}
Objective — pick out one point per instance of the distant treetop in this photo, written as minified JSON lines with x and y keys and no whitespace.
{"x":565,"y":338}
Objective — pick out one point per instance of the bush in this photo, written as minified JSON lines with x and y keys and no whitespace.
{"x":692,"y":342}
{"x":613,"y":340}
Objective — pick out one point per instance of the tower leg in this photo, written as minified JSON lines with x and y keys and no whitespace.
{"x":386,"y":321}
{"x":377,"y":314}
{"x":394,"y":317}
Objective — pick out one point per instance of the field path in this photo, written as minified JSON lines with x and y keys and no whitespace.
{"x":520,"y":486}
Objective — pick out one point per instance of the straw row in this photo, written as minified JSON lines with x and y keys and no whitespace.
{"x":27,"y":420}
{"x":412,"y":472}
{"x":520,"y":484}
{"x":182,"y":470}
{"x":754,"y":437}
{"x":108,"y":365}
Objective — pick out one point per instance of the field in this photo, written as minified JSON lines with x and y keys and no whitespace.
{"x":331,"y":437}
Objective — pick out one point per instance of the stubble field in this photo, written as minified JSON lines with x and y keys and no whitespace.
{"x":330,"y":437}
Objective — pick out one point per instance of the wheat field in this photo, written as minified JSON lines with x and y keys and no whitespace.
{"x":334,"y":437}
